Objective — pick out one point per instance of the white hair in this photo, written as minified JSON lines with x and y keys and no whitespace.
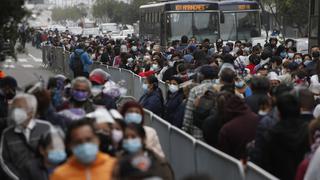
{"x":81,"y":80}
{"x":31,"y":101}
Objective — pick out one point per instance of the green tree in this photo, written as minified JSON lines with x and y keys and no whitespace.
{"x":11,"y":14}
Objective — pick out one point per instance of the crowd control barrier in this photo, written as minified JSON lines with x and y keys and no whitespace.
{"x":186,"y":154}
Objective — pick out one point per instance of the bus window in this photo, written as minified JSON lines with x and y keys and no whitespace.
{"x":228,"y":30}
{"x":248,"y":25}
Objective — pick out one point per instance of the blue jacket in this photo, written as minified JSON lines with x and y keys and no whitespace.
{"x":153,"y":101}
{"x":172,"y":112}
{"x":85,"y":58}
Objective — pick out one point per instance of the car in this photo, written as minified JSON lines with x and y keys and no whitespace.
{"x":106,"y":28}
{"x":91,"y":31}
{"x":75,"y":30}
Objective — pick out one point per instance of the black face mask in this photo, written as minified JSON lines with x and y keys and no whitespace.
{"x":10,"y":94}
{"x":105,"y":142}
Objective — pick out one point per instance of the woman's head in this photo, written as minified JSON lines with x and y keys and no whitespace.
{"x":134,"y":138}
{"x":132,"y":113}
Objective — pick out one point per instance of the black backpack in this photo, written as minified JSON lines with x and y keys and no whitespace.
{"x":77,"y":65}
{"x":206,"y":107}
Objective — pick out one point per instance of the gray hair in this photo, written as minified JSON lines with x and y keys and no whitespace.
{"x":30,"y":100}
{"x":81,"y":80}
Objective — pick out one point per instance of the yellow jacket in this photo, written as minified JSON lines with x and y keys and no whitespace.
{"x":101,"y":169}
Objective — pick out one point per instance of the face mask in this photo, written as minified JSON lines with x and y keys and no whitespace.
{"x":132,"y":145}
{"x":246,"y":49}
{"x":19,"y":115}
{"x":79,"y":96}
{"x":100,"y":52}
{"x":105,"y":141}
{"x":298,"y":61}
{"x":173,"y":88}
{"x":57,"y":156}
{"x":154,"y":67}
{"x":117,"y":135}
{"x":85,"y":153}
{"x":283,"y":55}
{"x":239,"y":84}
{"x":145,"y":87}
{"x":133,"y":118}
{"x":96,"y":90}
{"x":306,"y":62}
{"x":171,"y":63}
{"x":290,"y":55}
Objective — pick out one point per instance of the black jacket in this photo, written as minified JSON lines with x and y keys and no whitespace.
{"x":16,"y":152}
{"x":172,"y":108}
{"x":286,"y":145}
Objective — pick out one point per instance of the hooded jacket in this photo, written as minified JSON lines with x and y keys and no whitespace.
{"x":239,"y":130}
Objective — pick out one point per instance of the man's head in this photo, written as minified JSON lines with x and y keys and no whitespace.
{"x":8,"y":85}
{"x":184,"y":39}
{"x":23,"y":109}
{"x":208,"y":72}
{"x":260,"y":84}
{"x":288,"y":106}
{"x":80,"y":89}
{"x":82,"y":141}
{"x":306,"y":99}
{"x":227,"y":76}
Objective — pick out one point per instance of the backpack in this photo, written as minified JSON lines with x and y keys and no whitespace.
{"x":204,"y":107}
{"x":77,"y":65}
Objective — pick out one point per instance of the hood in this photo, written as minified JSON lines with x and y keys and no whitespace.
{"x":235,"y":106}
{"x":78,"y":51}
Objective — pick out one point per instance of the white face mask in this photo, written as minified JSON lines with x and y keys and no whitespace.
{"x":290,"y":55}
{"x":19,"y":116}
{"x":154,"y":67}
{"x":171,"y":63}
{"x":117,"y":135}
{"x":173,"y":88}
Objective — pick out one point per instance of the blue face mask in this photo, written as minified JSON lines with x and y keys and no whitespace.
{"x":239,"y":84}
{"x":306,"y":62}
{"x":145,"y":87}
{"x":56,"y":156}
{"x":80,"y":96}
{"x":132,"y":145}
{"x":85,"y":153}
{"x":133,"y":118}
{"x":283,"y":55}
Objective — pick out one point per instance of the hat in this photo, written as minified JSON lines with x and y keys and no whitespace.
{"x":9,"y":81}
{"x":97,"y":79}
{"x":101,"y":115}
{"x":272,"y":76}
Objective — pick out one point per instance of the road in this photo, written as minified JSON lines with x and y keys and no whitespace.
{"x":28,"y":69}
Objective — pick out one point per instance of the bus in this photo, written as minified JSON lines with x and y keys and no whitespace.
{"x":164,"y":22}
{"x":314,"y":23}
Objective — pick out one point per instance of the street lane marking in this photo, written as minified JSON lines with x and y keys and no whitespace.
{"x":8,"y":61}
{"x":8,"y":66}
{"x":22,"y":60}
{"x":27,"y":65}
{"x":34,"y":58}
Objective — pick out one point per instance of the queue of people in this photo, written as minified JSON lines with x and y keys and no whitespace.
{"x":256,"y":103}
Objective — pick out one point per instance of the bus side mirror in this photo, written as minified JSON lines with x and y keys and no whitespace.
{"x":221,"y":17}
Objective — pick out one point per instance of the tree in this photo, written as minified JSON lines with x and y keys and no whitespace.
{"x":11,"y":14}
{"x":293,"y":13}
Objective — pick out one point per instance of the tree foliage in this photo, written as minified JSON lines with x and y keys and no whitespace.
{"x":293,"y":13}
{"x":118,"y":12}
{"x":69,"y":13}
{"x":11,"y":14}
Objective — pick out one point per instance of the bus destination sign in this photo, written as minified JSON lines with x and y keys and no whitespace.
{"x":191,"y":7}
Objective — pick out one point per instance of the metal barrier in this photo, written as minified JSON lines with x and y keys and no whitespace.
{"x":185,"y":154}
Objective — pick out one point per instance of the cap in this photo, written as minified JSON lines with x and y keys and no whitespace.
{"x":9,"y":81}
{"x":101,"y":115}
{"x":273,"y":76}
{"x":97,"y":79}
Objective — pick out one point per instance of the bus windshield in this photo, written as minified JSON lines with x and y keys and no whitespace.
{"x":240,"y":26}
{"x":200,"y":25}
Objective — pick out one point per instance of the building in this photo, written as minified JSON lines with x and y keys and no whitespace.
{"x":314,"y":23}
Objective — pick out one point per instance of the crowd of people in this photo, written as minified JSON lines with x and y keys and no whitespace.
{"x":256,"y":103}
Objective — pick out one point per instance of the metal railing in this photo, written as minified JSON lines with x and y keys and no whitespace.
{"x":185,"y":154}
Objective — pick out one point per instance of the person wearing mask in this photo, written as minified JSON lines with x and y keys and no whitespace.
{"x":152,"y":98}
{"x":86,"y":161}
{"x":133,"y":113}
{"x":8,"y":86}
{"x":20,"y":141}
{"x":312,"y":67}
{"x":80,"y":103}
{"x":260,"y":87}
{"x":173,"y":111}
{"x":98,"y":79}
{"x":134,"y":144}
{"x":240,"y":128}
{"x":287,"y":142}
{"x":80,"y":61}
{"x":205,"y":76}
{"x":117,"y":134}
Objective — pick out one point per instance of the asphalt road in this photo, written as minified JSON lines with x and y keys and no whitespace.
{"x":28,"y":69}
